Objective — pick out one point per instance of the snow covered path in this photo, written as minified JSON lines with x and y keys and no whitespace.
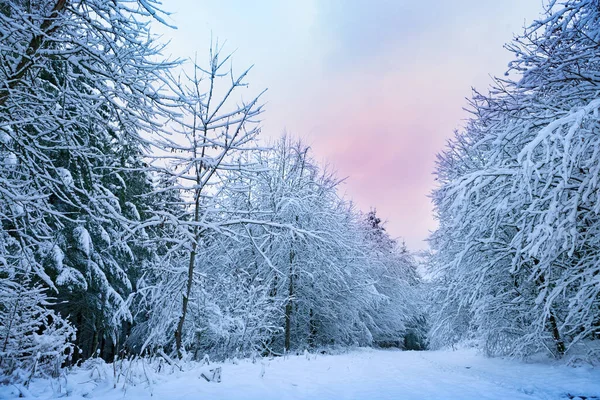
{"x":362,"y":374}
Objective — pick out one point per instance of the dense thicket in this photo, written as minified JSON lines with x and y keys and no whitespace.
{"x":282,"y":263}
{"x":138,"y":214}
{"x":77,"y":89}
{"x":517,"y":256}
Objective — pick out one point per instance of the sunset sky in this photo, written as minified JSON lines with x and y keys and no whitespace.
{"x":375,"y":87}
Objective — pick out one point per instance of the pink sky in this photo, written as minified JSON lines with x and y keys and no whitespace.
{"x":375,"y":87}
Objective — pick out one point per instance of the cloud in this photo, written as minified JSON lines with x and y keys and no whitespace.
{"x":375,"y":86}
{"x":360,"y":30}
{"x":364,"y":32}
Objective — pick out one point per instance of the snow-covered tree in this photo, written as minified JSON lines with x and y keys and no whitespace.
{"x":206,"y":142}
{"x":517,"y":259}
{"x":328,"y":275}
{"x":138,"y":213}
{"x":400,"y":320}
{"x":80,"y":86}
{"x":33,"y":338}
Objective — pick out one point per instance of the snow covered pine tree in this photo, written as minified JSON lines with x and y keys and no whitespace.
{"x":73,"y":102}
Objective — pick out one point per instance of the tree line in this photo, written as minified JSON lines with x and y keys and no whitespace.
{"x":516,"y":257}
{"x":139,"y":213}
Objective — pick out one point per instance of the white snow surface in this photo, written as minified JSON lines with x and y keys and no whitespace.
{"x":360,"y":374}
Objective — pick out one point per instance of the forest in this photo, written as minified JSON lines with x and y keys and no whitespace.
{"x":142,"y":215}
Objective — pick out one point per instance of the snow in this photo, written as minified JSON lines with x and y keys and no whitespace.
{"x":65,"y":176}
{"x":105,"y":236}
{"x":58,"y":256}
{"x":84,"y":241}
{"x":10,"y":160}
{"x":133,"y":210}
{"x":4,"y":137}
{"x":71,"y":278}
{"x":17,"y":209}
{"x":359,"y":374}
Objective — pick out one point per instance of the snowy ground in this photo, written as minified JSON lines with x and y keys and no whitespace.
{"x":361,"y":374}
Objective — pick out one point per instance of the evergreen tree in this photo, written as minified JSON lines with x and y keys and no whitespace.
{"x":74,"y":102}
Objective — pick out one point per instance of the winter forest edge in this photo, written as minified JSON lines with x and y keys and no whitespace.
{"x":141,"y":216}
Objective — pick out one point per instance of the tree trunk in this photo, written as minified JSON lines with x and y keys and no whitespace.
{"x":288,"y":306}
{"x":312,"y":329}
{"x":560,"y":344}
{"x":94,"y":342}
{"x":186,"y":296}
{"x":558,"y":340}
{"x":190,"y":278}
